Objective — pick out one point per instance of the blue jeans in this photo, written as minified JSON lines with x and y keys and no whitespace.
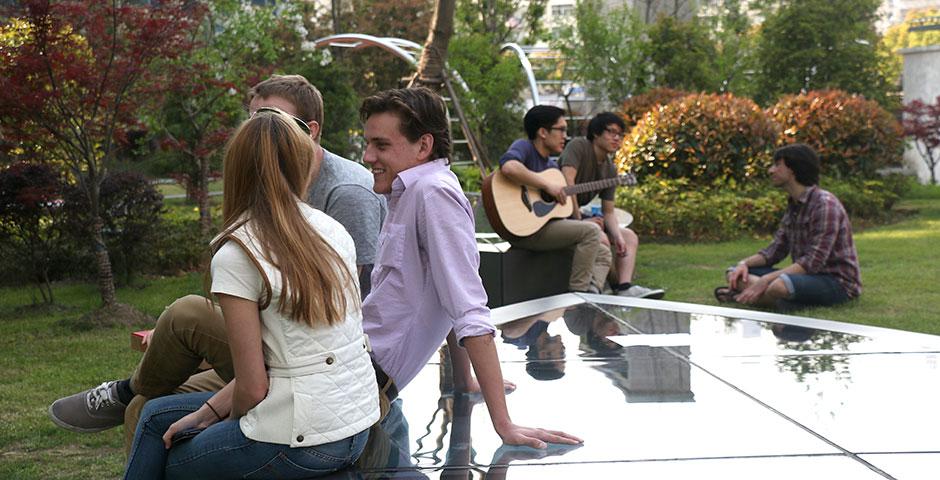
{"x":222,"y":450}
{"x":807,"y":290}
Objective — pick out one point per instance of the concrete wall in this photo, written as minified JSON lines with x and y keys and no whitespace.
{"x":920,"y":81}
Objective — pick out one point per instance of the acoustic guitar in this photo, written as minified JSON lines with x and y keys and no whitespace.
{"x":519,"y":211}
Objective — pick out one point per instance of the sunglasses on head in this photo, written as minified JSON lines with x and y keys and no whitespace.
{"x":300,"y":123}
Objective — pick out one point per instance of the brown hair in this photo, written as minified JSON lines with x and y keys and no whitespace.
{"x":296,"y":90}
{"x":802,"y":159}
{"x":420,"y":111}
{"x":267,"y":170}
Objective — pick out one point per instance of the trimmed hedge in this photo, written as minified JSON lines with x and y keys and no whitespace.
{"x":705,"y":138}
{"x":853,"y":136}
{"x":677,"y":210}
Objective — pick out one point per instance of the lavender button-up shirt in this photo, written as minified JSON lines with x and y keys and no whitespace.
{"x":425,"y":281}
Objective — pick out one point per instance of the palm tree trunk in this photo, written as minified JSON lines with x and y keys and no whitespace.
{"x":105,"y":274}
{"x":430,"y":72}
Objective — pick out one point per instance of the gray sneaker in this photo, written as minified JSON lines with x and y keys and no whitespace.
{"x":638,"y":291}
{"x":93,"y":410}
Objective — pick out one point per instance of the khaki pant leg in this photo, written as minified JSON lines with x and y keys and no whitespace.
{"x":603,"y":264}
{"x":131,"y":418}
{"x":586,"y":240}
{"x":189,"y":331}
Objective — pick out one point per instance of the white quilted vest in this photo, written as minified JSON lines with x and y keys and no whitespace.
{"x":322,"y":385}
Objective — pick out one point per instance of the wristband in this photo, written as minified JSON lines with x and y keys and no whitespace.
{"x":213,"y":410}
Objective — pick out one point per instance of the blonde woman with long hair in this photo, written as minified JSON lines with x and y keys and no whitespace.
{"x":304,"y":393}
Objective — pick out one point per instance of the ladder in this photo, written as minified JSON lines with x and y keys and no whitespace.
{"x":410,"y":52}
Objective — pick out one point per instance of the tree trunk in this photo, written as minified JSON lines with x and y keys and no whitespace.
{"x":105,"y":274}
{"x":45,"y":287}
{"x":430,"y":72}
{"x":335,"y":10}
{"x":205,"y":215}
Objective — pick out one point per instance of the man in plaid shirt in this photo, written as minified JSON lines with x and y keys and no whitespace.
{"x":815,"y":231}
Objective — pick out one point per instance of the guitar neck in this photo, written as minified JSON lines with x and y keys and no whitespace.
{"x":592,"y":186}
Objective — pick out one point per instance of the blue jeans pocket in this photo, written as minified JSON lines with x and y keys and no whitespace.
{"x":290,"y":465}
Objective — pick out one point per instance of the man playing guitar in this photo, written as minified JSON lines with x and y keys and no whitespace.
{"x":587,"y":159}
{"x":546,"y":128}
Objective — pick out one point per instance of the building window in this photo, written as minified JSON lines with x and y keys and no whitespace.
{"x":564,"y":10}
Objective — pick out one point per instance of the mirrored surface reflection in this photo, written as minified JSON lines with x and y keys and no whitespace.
{"x":909,"y":466}
{"x":763,"y":468}
{"x":869,"y":403}
{"x":644,"y":373}
{"x":676,"y":395}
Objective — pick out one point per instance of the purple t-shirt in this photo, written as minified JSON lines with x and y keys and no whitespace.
{"x":524,"y":151}
{"x":425,"y":282}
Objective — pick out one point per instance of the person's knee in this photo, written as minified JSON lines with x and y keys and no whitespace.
{"x":778,"y":289}
{"x":589,"y":232}
{"x":150,"y":414}
{"x":185,"y":312}
{"x":630,"y":238}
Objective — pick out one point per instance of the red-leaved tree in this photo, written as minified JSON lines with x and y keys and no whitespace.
{"x":69,"y":84}
{"x":203,"y":98}
{"x":922,"y":123}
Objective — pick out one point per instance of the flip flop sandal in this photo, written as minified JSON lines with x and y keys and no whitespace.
{"x":725,"y":294}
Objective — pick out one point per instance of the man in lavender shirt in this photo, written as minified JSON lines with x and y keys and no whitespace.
{"x":425,"y":285}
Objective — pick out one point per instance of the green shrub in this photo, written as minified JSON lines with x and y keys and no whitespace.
{"x":853,"y":136}
{"x":705,"y":138}
{"x":899,"y":184}
{"x":633,"y":109}
{"x":130,"y":210}
{"x":32,"y":225}
{"x":676,"y":210}
{"x":863,"y":199}
{"x":179,"y":244}
{"x":469,"y":177}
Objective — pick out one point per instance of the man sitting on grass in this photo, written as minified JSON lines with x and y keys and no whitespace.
{"x":815,"y":231}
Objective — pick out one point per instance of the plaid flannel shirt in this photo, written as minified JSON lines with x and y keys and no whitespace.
{"x":816,"y":231}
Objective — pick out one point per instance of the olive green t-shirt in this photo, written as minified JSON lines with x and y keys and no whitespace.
{"x":579,"y":153}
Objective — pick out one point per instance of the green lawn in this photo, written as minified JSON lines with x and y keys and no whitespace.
{"x":41,"y":360}
{"x":176,"y":189}
{"x":900,"y":267}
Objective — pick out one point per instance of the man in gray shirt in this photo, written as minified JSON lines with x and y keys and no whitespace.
{"x":343,"y":190}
